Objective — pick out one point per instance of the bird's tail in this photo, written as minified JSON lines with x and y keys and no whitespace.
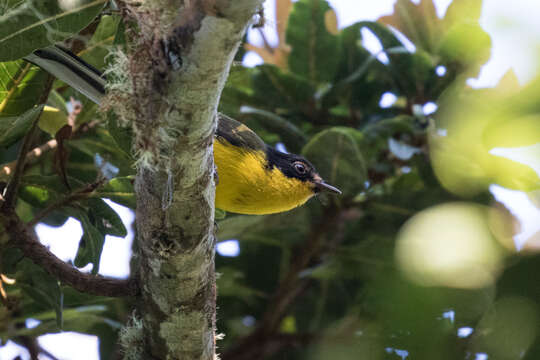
{"x":71,"y":69}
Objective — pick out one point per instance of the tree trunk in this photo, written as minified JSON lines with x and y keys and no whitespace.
{"x":178,"y":66}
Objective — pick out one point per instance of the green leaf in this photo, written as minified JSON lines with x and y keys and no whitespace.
{"x":29,"y":25}
{"x":90,"y":246}
{"x":21,"y":85}
{"x":230,"y":284}
{"x":41,"y":287}
{"x":355,"y":59}
{"x":106,"y":219}
{"x":360,"y":80}
{"x":387,"y":38}
{"x":335,"y":154}
{"x":52,"y":120}
{"x":219,"y":214}
{"x":82,"y":319}
{"x":315,"y":52}
{"x":40,"y":191}
{"x":97,"y":48}
{"x":233,"y":227}
{"x":56,"y":100}
{"x":402,"y":124}
{"x":288,"y":132}
{"x":418,"y":22}
{"x":467,"y":44}
{"x":119,"y":190}
{"x":410,"y":71}
{"x":279,"y":90}
{"x":13,"y":128}
{"x":462,"y":11}
{"x":100,"y":142}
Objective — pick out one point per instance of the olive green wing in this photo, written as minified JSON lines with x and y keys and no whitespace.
{"x":238,"y":134}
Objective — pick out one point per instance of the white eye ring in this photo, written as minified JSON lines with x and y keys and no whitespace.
{"x":300,"y":168}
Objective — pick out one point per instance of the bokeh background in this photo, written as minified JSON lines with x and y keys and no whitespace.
{"x":426,"y":114}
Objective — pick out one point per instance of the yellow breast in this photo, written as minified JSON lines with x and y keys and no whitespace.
{"x":246,"y":186}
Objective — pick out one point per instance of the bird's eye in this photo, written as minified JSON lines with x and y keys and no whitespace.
{"x":300,"y":168}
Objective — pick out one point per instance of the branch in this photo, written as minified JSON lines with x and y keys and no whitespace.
{"x":25,"y":239}
{"x":13,"y":185}
{"x":31,"y":344}
{"x":34,"y":349}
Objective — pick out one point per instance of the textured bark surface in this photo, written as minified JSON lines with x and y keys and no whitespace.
{"x":178,"y":75}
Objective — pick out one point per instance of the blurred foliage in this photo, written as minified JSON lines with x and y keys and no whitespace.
{"x":414,"y":250}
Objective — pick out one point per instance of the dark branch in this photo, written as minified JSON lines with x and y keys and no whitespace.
{"x":34,"y":349}
{"x":24,"y":238}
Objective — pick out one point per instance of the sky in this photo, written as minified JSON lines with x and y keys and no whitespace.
{"x":515,"y":33}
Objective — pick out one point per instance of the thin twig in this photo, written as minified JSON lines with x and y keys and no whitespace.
{"x":45,"y":352}
{"x":31,"y":344}
{"x":77,"y":195}
{"x":15,"y":181}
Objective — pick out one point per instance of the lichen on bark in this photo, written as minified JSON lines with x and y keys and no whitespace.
{"x":177,"y":88}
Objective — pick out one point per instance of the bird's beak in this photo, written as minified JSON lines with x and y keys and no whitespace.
{"x":322,"y":186}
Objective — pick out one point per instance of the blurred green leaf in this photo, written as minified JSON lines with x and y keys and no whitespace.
{"x":13,"y":128}
{"x":90,"y":246}
{"x":467,"y":44}
{"x":219,"y":214}
{"x":56,"y":100}
{"x":234,"y":226}
{"x":29,"y":25}
{"x":41,"y":287}
{"x":40,"y":190}
{"x":52,"y":120}
{"x":230,"y":284}
{"x":21,"y":85}
{"x":417,"y":21}
{"x":101,"y":149}
{"x":508,"y":328}
{"x":81,"y":319}
{"x":106,"y":219}
{"x":409,"y":70}
{"x":462,"y":11}
{"x":517,"y":132}
{"x":293,"y":138}
{"x":335,"y":154}
{"x":388,"y":39}
{"x":119,"y":190}
{"x":275,"y":89}
{"x":311,"y":42}
{"x":97,"y":48}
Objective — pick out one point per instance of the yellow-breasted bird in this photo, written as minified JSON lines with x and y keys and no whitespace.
{"x":253,"y":178}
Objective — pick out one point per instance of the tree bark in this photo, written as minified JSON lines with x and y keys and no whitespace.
{"x":178,"y":69}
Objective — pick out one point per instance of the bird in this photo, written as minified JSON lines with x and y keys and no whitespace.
{"x":253,"y":178}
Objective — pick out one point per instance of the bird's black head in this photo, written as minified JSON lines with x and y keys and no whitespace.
{"x":296,"y":166}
